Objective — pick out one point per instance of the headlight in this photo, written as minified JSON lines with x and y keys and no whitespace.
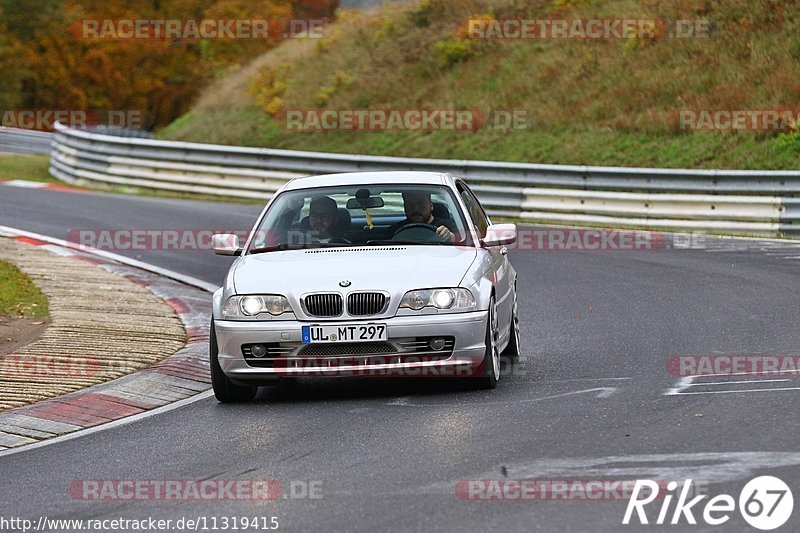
{"x":439,"y":298}
{"x":252,"y":305}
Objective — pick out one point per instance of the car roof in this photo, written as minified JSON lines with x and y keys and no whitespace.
{"x":369,"y":178}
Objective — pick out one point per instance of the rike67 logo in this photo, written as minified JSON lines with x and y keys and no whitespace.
{"x":765,"y":503}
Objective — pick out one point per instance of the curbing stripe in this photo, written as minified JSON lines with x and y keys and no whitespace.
{"x":38,"y":424}
{"x":25,"y":184}
{"x":116,"y":423}
{"x":178,"y":380}
{"x":26,"y":432}
{"x":11,"y":440}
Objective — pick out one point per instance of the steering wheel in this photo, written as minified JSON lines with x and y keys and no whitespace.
{"x":419,"y":235}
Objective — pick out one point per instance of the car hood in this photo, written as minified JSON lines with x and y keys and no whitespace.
{"x":391,"y":268}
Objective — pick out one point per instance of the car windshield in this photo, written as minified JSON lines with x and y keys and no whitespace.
{"x":362,"y":216}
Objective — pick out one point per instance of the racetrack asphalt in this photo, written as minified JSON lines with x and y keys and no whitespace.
{"x":588,"y":400}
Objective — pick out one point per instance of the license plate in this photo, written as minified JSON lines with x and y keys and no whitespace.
{"x":345,"y":333}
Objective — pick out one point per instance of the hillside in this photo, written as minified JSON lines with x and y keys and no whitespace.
{"x":603,"y":102}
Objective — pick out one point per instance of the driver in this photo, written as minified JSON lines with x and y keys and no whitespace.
{"x":419,"y":209}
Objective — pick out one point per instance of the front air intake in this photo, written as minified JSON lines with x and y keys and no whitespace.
{"x":323,"y":304}
{"x":365,"y":303}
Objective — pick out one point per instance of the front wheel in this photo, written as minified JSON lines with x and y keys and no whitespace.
{"x":489,"y":369}
{"x":225,"y":390}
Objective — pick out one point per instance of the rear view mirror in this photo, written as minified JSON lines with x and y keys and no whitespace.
{"x":369,"y":202}
{"x":225,"y":244}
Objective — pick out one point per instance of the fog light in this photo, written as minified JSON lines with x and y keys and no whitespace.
{"x":258,"y":350}
{"x":437,"y":343}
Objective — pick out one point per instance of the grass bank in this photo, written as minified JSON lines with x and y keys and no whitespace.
{"x":19,"y":297}
{"x":600,"y":102}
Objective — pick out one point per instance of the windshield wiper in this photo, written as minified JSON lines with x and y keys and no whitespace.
{"x":384,"y":242}
{"x":264,"y":249}
{"x":289,"y":246}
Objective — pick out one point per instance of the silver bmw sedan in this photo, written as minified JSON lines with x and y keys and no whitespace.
{"x":365,"y":274}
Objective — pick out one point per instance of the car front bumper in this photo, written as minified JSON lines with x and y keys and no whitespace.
{"x":467,"y":329}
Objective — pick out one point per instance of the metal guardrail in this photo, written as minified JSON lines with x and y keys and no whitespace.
{"x":21,"y":141}
{"x":726,"y":201}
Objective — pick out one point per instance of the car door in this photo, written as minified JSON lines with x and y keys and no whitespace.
{"x":501,"y":268}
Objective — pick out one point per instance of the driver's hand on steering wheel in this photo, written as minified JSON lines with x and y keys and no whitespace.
{"x":445,"y":234}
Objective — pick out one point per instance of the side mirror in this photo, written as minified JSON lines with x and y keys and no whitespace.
{"x":500,"y":234}
{"x":226,"y":244}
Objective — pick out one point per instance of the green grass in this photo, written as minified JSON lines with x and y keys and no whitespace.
{"x":26,"y":167}
{"x":18,"y":294}
{"x":587,"y":102}
{"x":550,"y":145}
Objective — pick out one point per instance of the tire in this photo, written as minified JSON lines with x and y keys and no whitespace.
{"x":224,"y":389}
{"x":512,"y":351}
{"x":489,"y":369}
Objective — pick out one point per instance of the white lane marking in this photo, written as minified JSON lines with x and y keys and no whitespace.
{"x":777,"y":389}
{"x":741,"y":381}
{"x":754,"y":373}
{"x":587,"y":379}
{"x":188,"y":280}
{"x":682,"y":384}
{"x":746,"y":374}
{"x":608,"y":392}
{"x":116,"y":423}
{"x":602,"y":392}
{"x":689,"y":381}
{"x":25,"y":184}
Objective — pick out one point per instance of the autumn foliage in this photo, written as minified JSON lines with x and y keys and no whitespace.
{"x":45,"y":64}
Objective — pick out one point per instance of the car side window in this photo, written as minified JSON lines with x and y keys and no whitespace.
{"x":474,"y":209}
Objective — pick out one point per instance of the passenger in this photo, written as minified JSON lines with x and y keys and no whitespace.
{"x":322,"y":215}
{"x":322,"y":219}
